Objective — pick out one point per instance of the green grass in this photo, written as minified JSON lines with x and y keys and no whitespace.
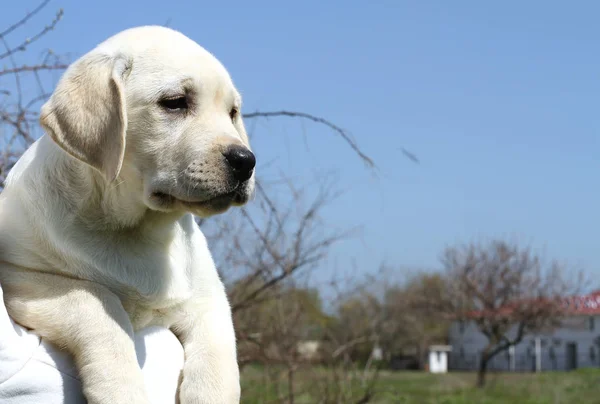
{"x":578,"y":387}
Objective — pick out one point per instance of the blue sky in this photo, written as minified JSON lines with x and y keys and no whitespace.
{"x":498,"y":100}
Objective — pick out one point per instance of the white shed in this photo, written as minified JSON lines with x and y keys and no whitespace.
{"x":438,"y":358}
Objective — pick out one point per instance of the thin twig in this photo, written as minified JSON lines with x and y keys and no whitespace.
{"x":26,"y":68}
{"x":24,"y":19}
{"x":29,"y":41}
{"x":366,"y":159}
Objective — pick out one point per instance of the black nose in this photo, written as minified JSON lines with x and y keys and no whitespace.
{"x":241,"y":160}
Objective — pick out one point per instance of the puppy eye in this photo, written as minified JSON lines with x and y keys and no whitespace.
{"x":174,"y":103}
{"x":233,"y":113}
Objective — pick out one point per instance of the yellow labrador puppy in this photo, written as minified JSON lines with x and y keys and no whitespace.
{"x":97,"y":237}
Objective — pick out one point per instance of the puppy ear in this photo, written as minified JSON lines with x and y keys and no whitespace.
{"x":86,"y":114}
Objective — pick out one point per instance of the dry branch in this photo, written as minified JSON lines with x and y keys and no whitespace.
{"x":18,"y":107}
{"x":344,"y":134}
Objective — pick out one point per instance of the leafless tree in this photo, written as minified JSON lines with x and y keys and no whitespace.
{"x":506,"y":291}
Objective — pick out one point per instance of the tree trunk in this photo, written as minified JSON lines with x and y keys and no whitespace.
{"x":421,"y":355}
{"x":291,"y":392}
{"x":485,"y":358}
{"x":488,"y":353}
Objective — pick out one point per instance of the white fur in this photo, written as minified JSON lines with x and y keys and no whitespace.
{"x":91,"y":248}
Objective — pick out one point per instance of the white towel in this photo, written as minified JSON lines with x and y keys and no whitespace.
{"x":33,"y":371}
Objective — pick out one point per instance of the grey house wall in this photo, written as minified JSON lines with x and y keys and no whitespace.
{"x":576,"y":344}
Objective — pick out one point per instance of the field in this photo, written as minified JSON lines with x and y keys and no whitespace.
{"x":576,"y":387}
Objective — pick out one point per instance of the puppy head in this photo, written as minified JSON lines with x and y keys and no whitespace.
{"x":153,"y":101}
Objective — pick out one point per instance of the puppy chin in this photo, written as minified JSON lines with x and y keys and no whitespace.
{"x":160,"y":202}
{"x":207,"y":211}
{"x":240,"y":200}
{"x":211,"y":207}
{"x":166,"y":203}
{"x":244,"y":194}
{"x":217,"y":205}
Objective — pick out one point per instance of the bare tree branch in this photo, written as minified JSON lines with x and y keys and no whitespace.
{"x":18,"y":113}
{"x":22,"y":21}
{"x":23,"y":45}
{"x":366,"y":159}
{"x":25,"y":68}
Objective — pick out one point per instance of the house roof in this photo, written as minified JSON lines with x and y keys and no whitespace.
{"x":440,"y":348}
{"x":588,"y":304}
{"x":584,"y":304}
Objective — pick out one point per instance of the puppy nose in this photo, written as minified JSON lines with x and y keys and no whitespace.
{"x":241,"y":160}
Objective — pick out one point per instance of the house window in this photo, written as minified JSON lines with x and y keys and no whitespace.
{"x":592,"y":322}
{"x":462,"y":352}
{"x":592,"y":354}
{"x":461,"y":326}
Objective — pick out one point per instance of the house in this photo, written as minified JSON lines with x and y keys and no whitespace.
{"x":575,"y":344}
{"x":438,"y":358}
